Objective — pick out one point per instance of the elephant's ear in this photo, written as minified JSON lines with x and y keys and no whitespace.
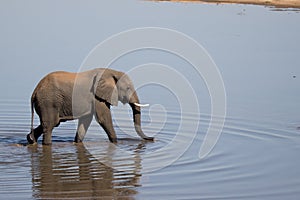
{"x":106,"y":89}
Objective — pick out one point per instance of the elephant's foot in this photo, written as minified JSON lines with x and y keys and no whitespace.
{"x":30,"y":139}
{"x":47,"y":143}
{"x":77,"y":139}
{"x":148,"y":138}
{"x":78,"y":143}
{"x":113,"y":140}
{"x":47,"y":139}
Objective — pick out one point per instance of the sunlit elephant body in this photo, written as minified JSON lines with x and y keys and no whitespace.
{"x":62,"y":96}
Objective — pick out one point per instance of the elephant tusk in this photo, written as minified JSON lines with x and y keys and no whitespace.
{"x":141,"y":105}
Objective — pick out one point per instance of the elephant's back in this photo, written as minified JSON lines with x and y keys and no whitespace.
{"x":55,"y":78}
{"x":60,"y":76}
{"x":53,"y":84}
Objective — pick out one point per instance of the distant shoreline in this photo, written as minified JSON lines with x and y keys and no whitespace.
{"x":271,"y":3}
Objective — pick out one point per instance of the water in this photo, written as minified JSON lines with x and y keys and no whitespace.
{"x":257,"y":155}
{"x":251,"y":160}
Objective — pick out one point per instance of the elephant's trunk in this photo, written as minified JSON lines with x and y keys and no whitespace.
{"x":136,"y":110}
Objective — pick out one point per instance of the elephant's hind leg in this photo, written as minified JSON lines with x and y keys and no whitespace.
{"x":48,"y":124}
{"x":32,"y":137}
{"x":47,"y":130}
{"x":83,"y":125}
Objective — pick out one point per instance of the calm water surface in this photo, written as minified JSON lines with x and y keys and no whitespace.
{"x":251,"y":160}
{"x":257,"y":156}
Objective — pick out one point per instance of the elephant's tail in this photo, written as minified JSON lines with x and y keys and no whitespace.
{"x":32,"y":111}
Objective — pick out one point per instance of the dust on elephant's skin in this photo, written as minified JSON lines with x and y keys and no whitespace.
{"x":62,"y":96}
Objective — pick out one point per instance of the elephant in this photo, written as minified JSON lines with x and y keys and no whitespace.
{"x":62,"y":96}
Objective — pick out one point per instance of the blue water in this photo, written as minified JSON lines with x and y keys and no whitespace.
{"x":256,"y":51}
{"x":252,"y":160}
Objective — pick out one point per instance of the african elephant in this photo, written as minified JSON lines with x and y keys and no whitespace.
{"x":62,"y":96}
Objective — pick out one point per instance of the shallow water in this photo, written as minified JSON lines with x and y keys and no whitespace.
{"x":251,"y":160}
{"x":257,"y":155}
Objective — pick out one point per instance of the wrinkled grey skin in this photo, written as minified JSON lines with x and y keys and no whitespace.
{"x":62,"y":96}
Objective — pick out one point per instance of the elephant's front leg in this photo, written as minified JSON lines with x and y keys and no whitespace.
{"x":103,"y":116}
{"x":83,"y":125}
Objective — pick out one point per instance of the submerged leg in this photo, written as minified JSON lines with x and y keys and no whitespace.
{"x":32,"y":137}
{"x":48,"y":124}
{"x":83,"y":125}
{"x":47,"y":136}
{"x":103,"y":116}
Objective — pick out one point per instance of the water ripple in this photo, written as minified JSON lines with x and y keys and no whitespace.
{"x":252,"y":159}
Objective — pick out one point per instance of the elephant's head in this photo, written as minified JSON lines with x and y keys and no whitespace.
{"x":113,"y":86}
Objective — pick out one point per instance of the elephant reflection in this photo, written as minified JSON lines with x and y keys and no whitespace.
{"x":65,"y":174}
